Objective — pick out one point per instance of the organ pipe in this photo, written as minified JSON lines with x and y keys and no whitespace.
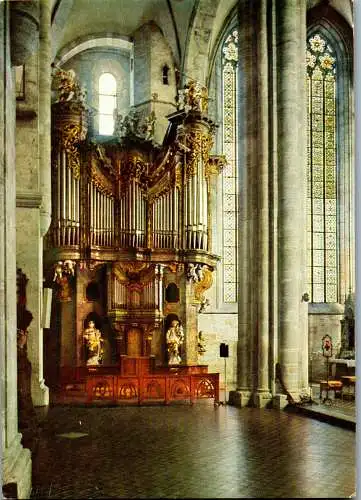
{"x":63,"y":190}
{"x":69,"y":194}
{"x":166,"y":226}
{"x":58,"y":194}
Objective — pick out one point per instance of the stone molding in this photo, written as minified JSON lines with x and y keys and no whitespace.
{"x":28,"y":200}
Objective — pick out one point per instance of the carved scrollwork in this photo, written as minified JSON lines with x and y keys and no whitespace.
{"x":71,"y":135}
{"x":204,"y":284}
{"x":161,"y":188}
{"x":215,"y":165}
{"x":199,"y":144}
{"x":102,"y":183}
{"x":141,"y":272}
{"x":134,"y":167}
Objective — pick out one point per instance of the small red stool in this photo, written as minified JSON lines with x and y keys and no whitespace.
{"x":331,"y":385}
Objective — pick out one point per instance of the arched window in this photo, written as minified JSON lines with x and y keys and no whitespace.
{"x":229,"y":175}
{"x":322,"y":200}
{"x":107,"y":103}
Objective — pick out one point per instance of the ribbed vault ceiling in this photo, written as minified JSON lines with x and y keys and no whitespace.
{"x":80,"y":19}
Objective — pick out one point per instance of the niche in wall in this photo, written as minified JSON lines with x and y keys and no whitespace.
{"x":172,"y":293}
{"x":92,"y":291}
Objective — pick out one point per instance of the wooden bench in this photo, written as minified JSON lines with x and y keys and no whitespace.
{"x":331,"y":385}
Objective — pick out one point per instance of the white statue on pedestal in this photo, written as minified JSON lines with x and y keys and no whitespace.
{"x":174,"y":337}
{"x":93,"y":341}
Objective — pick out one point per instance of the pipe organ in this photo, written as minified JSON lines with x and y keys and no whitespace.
{"x":137,"y":209}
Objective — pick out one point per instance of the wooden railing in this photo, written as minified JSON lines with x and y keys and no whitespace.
{"x":152,"y":388}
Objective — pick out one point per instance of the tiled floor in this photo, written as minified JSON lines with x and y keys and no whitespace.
{"x":197,"y":451}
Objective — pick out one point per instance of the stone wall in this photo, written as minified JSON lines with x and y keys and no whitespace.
{"x":218,"y":328}
{"x":151,"y":54}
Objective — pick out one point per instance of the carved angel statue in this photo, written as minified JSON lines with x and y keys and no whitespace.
{"x":66,"y":86}
{"x":149,"y":126}
{"x":193,"y":97}
{"x":199,"y":271}
{"x":64,"y":268}
{"x":192,"y":273}
{"x":69,"y":266}
{"x":174,"y":338}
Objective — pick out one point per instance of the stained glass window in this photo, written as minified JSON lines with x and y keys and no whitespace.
{"x":229,"y":177}
{"x":321,"y":170}
{"x":107,"y":103}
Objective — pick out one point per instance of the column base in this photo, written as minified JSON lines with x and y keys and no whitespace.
{"x":39,"y":393}
{"x":16,"y":464}
{"x":239,"y":398}
{"x":280,"y":401}
{"x":262,"y":399}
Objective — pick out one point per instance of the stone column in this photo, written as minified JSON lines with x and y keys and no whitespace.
{"x":304,"y":355}
{"x":34,"y":196}
{"x":16,"y":461}
{"x":45,"y":60}
{"x":291,"y":41}
{"x":254,"y":185}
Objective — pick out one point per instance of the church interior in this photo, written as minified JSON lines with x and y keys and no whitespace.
{"x":177,"y":226}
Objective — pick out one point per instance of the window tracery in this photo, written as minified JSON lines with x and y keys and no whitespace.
{"x":229,"y":177}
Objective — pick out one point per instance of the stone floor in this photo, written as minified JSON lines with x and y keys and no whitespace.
{"x":340,"y":408}
{"x":184,"y":451}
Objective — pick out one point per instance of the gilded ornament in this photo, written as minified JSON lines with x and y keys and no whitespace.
{"x":204,"y":284}
{"x":101,"y":182}
{"x":215,"y":165}
{"x":161,"y":188}
{"x":193,"y":97}
{"x":178,"y":176}
{"x":135,"y":125}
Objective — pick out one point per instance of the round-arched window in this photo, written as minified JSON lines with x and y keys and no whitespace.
{"x":107,"y":103}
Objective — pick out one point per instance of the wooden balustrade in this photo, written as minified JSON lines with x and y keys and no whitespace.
{"x":152,"y":388}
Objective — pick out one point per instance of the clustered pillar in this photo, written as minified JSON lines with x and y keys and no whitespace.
{"x":272,"y":184}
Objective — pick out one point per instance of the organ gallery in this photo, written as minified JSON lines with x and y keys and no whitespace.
{"x":129,"y":246}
